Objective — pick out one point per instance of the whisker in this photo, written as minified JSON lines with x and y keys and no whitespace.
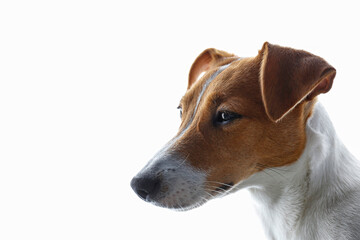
{"x":182,"y":163}
{"x":277,"y":169}
{"x":221,"y":183}
{"x":223,"y":186}
{"x":209,"y":191}
{"x":179,"y":205}
{"x":211,"y":195}
{"x":265,"y":168}
{"x":264,"y":171}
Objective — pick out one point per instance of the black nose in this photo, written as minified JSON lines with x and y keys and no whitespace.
{"x":146,"y":187}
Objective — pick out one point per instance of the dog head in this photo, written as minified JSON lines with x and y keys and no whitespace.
{"x":243,"y":115}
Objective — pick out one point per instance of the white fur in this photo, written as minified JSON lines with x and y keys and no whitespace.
{"x":183,"y":185}
{"x":203,"y":89}
{"x":301,"y":201}
{"x":317,"y":197}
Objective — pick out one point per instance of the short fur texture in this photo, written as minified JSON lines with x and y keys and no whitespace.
{"x":281,"y":146}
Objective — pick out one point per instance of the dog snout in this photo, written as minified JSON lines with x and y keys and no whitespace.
{"x":146,"y":187}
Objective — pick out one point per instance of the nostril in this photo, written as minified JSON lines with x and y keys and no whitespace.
{"x":142,"y":194}
{"x":145,"y":187}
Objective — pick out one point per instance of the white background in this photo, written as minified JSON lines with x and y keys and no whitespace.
{"x":89,"y":90}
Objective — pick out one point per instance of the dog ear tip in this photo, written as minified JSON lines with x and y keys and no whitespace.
{"x":264,"y":48}
{"x":265,"y":45}
{"x":332,"y":72}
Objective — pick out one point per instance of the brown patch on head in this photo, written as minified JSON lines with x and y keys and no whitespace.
{"x":273,"y":92}
{"x":206,"y":61}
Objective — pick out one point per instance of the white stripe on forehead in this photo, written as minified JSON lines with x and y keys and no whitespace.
{"x":204,"y":87}
{"x":165,"y":150}
{"x":206,"y":84}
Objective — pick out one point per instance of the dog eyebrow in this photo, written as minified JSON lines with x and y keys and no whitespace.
{"x":206,"y":84}
{"x":203,"y":89}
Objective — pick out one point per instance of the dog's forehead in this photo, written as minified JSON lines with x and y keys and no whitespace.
{"x":197,"y":87}
{"x":240,"y":77}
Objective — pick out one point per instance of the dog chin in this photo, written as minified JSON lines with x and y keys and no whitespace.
{"x":182,"y":204}
{"x":180,"y":207}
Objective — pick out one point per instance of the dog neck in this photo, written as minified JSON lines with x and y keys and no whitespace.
{"x":292,"y":200}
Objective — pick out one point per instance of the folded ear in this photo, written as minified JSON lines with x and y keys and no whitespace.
{"x":289,"y":76}
{"x":206,"y":60}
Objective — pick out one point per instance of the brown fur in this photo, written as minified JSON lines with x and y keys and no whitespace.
{"x":287,"y":76}
{"x":271,"y":86}
{"x":206,"y":60}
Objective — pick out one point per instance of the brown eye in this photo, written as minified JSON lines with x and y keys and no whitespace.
{"x":225,"y":117}
{"x":180,"y":108}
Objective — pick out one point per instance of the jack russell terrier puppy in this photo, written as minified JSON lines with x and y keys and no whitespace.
{"x":254,"y":123}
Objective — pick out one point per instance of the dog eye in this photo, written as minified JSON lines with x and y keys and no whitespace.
{"x":179,"y":107}
{"x":224,"y":117}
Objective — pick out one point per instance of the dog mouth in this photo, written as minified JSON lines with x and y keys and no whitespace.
{"x":189,"y":196}
{"x":177,"y":185}
{"x":225,"y":186}
{"x":180,"y":195}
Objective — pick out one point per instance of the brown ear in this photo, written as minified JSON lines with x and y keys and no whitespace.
{"x":206,"y":60}
{"x":288,"y":76}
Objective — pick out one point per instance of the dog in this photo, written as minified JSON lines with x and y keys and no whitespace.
{"x":255,"y":123}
